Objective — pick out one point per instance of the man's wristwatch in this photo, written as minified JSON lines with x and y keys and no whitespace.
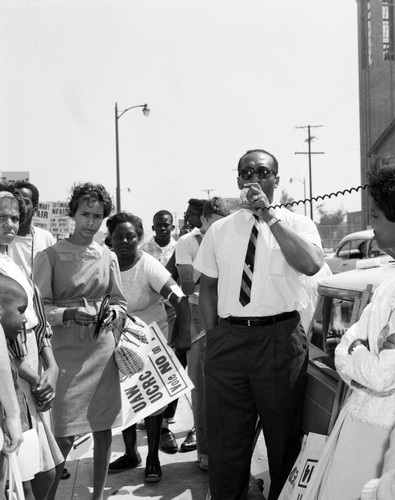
{"x":272,"y":221}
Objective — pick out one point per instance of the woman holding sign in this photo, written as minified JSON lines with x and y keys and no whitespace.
{"x":145,"y":284}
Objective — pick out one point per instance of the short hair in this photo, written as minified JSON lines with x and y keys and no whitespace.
{"x":21,"y":184}
{"x":275,"y":162}
{"x":10,"y":289}
{"x":10,"y":188}
{"x":91,"y":191}
{"x":197,"y":203}
{"x":381,"y":178}
{"x":121,"y":217}
{"x":162,"y":212}
{"x":215,"y":205}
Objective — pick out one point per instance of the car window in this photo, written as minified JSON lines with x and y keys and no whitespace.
{"x":374,"y":250}
{"x":331,"y":323}
{"x":352,"y":249}
{"x":344,"y":250}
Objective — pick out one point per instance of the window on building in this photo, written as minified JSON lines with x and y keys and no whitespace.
{"x":388,"y":30}
{"x":366,"y":33}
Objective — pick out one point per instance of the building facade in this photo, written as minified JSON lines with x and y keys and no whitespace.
{"x":376,"y":35}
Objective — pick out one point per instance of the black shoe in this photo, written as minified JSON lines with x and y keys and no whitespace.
{"x":124,"y":463}
{"x":168,"y":442}
{"x":153,"y":473}
{"x":65,"y":474}
{"x":190,"y":442}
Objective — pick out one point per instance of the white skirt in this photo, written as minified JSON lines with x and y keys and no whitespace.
{"x":354,"y":454}
{"x":49,"y":452}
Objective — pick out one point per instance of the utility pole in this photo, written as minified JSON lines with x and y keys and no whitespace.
{"x":208,"y":191}
{"x":175,"y":222}
{"x":309,"y":153}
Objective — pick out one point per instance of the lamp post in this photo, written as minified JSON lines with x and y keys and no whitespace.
{"x":118,"y":114}
{"x":303,"y":181}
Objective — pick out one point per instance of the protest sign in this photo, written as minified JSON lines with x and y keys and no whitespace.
{"x":305,"y":465}
{"x":162,"y":380}
{"x":53,"y":217}
{"x":42,"y":217}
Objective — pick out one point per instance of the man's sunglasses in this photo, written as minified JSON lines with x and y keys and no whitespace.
{"x":262,"y":172}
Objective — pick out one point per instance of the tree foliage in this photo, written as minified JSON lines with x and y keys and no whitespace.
{"x":331,"y":217}
{"x":285,"y":198}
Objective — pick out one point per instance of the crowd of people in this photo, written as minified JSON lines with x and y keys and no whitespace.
{"x":228,"y":296}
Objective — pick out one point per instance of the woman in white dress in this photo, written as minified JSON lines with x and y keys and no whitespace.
{"x":365,"y":359}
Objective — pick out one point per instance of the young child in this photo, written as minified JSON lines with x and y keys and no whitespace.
{"x":36,"y":483}
{"x":13,"y":302}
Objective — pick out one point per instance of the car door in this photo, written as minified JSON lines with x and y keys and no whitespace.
{"x":347,"y":255}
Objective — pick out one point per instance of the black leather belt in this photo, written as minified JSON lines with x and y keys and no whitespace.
{"x":260,"y":321}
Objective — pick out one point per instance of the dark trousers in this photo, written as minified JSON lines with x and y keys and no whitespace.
{"x":253,"y":371}
{"x":182,"y":358}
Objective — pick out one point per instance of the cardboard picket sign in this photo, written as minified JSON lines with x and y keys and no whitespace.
{"x":304,"y":467}
{"x":162,"y":380}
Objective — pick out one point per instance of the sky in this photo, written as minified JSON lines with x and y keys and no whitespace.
{"x":220,"y":77}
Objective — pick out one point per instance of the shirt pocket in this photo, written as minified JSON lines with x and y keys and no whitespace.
{"x":277,"y":265}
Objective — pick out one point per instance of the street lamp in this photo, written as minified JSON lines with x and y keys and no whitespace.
{"x":146,"y":111}
{"x":303,"y":181}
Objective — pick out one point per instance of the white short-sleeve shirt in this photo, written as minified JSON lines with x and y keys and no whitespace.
{"x":276,"y":286}
{"x":142,"y":285}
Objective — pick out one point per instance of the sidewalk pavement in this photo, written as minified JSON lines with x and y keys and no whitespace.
{"x":182,"y":477}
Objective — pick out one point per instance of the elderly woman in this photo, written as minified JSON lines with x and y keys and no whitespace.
{"x":32,"y":354}
{"x":74,"y":275}
{"x":145,"y":283}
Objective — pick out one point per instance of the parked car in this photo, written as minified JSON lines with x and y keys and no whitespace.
{"x":354,"y":247}
{"x":341,"y":299}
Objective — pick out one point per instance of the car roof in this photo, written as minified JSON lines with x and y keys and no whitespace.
{"x":366,"y":234}
{"x":347,"y":284}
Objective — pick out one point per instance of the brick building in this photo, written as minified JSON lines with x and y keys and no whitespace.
{"x":376,"y":34}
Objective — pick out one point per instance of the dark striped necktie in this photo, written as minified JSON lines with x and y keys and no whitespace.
{"x":248,"y":269}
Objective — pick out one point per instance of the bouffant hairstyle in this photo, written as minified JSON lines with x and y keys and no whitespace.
{"x":121,"y":217}
{"x":10,"y":188}
{"x":197,"y":204}
{"x":381,"y":178}
{"x":92,"y":193}
{"x":215,"y":205}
